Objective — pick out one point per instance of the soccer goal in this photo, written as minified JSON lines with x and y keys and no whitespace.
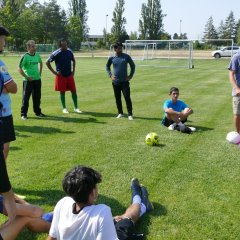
{"x":161,"y":53}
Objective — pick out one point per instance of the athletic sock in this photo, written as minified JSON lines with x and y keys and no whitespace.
{"x":143,"y":209}
{"x":180,"y":124}
{"x":62,"y":98}
{"x":137,"y":199}
{"x":74,"y":98}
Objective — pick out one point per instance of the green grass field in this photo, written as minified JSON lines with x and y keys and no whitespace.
{"x":193,"y":180}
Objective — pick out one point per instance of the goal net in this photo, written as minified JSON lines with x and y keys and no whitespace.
{"x":161,"y":53}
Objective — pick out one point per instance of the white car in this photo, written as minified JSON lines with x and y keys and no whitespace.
{"x":225,"y":52}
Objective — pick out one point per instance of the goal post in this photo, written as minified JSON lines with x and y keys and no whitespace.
{"x":161,"y":53}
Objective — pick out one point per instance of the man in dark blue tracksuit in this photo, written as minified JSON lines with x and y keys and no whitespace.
{"x":120,"y":78}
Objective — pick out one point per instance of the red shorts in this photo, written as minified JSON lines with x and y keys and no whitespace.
{"x":64,"y":84}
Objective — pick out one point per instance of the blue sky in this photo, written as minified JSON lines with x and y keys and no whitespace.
{"x":189,"y":15}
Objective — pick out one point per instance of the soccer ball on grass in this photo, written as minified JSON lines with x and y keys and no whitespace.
{"x":152,"y":139}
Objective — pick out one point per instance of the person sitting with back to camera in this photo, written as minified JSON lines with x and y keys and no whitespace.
{"x":76,"y":216}
{"x":176,"y":113}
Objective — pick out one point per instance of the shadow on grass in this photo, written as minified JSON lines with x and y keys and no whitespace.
{"x":201,"y":129}
{"x":99,"y":114}
{"x":40,"y":197}
{"x":38,"y":129}
{"x":69,"y":119}
{"x":143,"y":224}
{"x":15,"y":148}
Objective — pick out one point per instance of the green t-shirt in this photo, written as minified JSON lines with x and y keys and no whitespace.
{"x":29,"y":64}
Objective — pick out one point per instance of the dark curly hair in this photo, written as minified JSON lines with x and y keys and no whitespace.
{"x":79,"y":182}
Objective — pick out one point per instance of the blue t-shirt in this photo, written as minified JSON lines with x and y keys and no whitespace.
{"x":5,"y":97}
{"x":120,"y":64}
{"x":63,"y":61}
{"x":178,"y":106}
{"x":235,"y":66}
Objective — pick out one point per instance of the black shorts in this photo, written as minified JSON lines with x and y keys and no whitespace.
{"x":124,"y":229}
{"x":1,"y":237}
{"x":166,"y":122}
{"x":8,"y":129}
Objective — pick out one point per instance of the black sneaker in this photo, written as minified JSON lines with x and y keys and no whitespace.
{"x":135,"y":187}
{"x":41,"y":115}
{"x":145,"y":200}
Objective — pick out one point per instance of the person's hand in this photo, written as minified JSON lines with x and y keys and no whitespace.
{"x":10,"y":206}
{"x":237,"y":90}
{"x":129,"y":78}
{"x":29,"y":79}
{"x":113,"y":77}
{"x":118,"y":218}
{"x":58,"y":73}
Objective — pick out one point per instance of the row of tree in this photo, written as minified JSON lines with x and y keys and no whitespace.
{"x":46,"y":23}
{"x":228,"y":29}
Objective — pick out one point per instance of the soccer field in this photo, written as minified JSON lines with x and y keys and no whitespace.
{"x":193,"y":180}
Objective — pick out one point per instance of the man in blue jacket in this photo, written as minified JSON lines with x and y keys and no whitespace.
{"x":120,"y":78}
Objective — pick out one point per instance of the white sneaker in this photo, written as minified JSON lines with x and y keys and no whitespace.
{"x":77,"y":110}
{"x":130,"y":118}
{"x":172,"y":126}
{"x":193,"y":129}
{"x":24,"y":118}
{"x":65,"y":110}
{"x":120,"y":115}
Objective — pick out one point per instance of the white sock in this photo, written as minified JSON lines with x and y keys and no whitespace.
{"x":143,"y":209}
{"x":137,"y":199}
{"x":180,"y":124}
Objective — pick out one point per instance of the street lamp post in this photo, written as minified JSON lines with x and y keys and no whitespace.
{"x":106,"y":22}
{"x":180,"y":27}
{"x":106,"y":40}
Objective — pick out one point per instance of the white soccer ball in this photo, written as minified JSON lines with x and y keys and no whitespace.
{"x":233,"y":137}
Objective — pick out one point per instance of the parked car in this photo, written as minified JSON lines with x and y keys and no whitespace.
{"x":225,"y":52}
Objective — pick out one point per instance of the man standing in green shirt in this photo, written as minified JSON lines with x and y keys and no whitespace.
{"x":30,"y":67}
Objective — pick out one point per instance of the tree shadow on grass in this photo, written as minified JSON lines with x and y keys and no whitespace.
{"x":69,"y":119}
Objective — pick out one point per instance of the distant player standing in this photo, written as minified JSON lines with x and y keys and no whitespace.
{"x":30,"y":67}
{"x":65,"y":69}
{"x":120,"y":78}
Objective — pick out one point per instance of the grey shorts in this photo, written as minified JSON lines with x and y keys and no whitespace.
{"x":236,"y":105}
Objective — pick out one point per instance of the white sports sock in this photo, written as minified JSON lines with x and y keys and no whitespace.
{"x":180,"y":124}
{"x":137,"y":199}
{"x":143,"y":209}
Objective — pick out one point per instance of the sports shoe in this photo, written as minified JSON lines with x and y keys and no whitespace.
{"x":193,"y":129}
{"x":130,"y":118}
{"x":145,"y":200}
{"x":24,"y":117}
{"x":77,"y":110}
{"x":41,"y":115}
{"x":65,"y":110}
{"x":172,"y":126}
{"x":135,"y":187}
{"x":47,"y":217}
{"x":120,"y":115}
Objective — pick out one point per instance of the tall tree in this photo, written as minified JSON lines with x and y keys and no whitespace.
{"x":221,"y":30}
{"x":78,"y":8}
{"x":230,"y":31}
{"x":54,"y":22}
{"x":238,"y":32}
{"x":151,"y":22}
{"x":118,"y":30}
{"x":210,"y":31}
